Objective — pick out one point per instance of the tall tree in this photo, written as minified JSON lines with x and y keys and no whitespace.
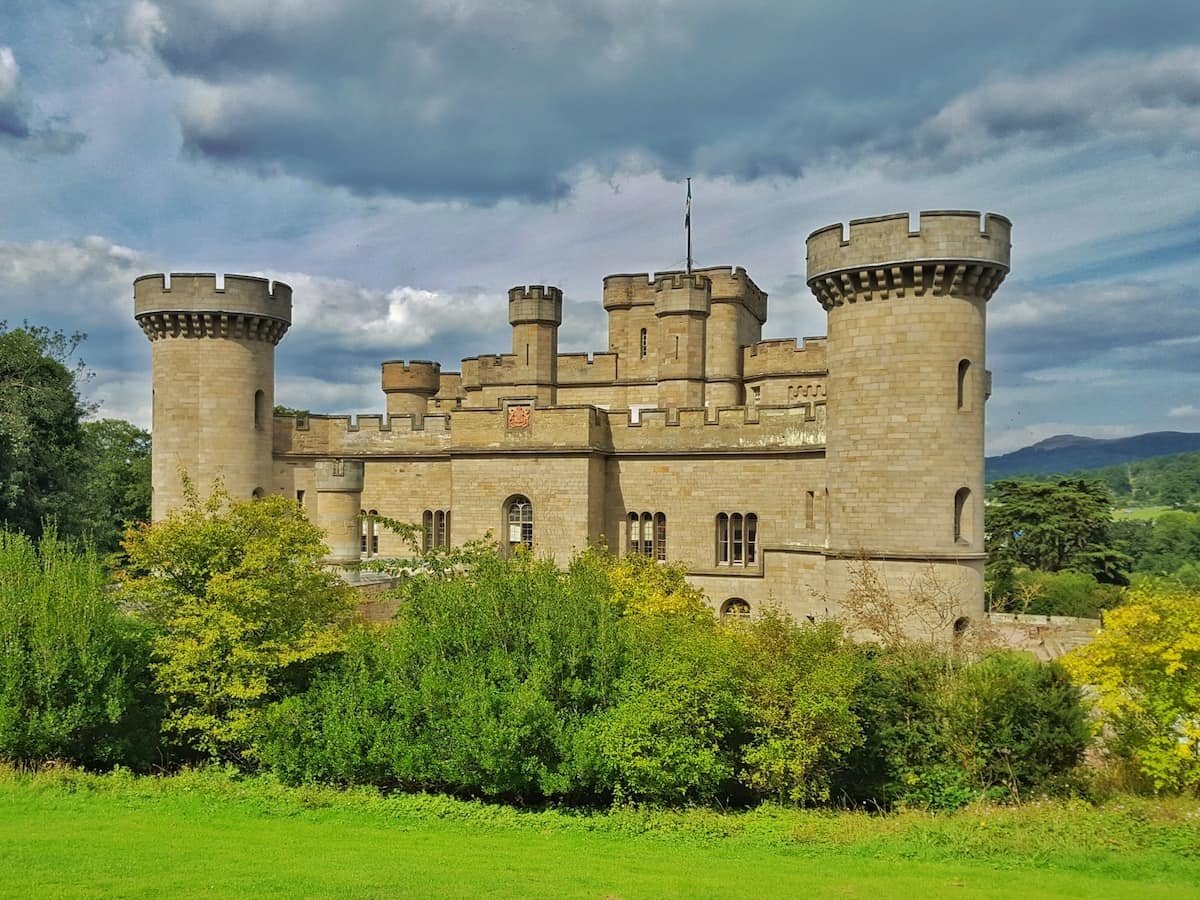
{"x":115,"y":481}
{"x":1054,"y":525}
{"x":40,"y":433}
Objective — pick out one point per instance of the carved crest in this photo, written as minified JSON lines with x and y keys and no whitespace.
{"x":518,"y":417}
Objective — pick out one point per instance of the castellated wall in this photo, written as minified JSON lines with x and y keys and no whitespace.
{"x":784,"y":371}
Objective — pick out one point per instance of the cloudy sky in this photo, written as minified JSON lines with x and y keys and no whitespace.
{"x":403,"y":162}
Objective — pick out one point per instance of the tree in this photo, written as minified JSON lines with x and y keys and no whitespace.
{"x":244,"y":608}
{"x":115,"y":484}
{"x":1144,"y":667}
{"x":1052,"y":526}
{"x":40,"y":434}
{"x":74,"y":671}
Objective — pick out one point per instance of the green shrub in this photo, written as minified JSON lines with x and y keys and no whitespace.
{"x":74,"y":671}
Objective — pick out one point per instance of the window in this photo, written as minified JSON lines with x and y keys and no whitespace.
{"x":260,"y":408}
{"x":735,"y":608}
{"x":810,"y":508}
{"x":647,"y":535}
{"x":435,"y":529}
{"x":962,"y":515}
{"x":643,"y":344}
{"x":755,"y":396}
{"x":964,"y":384}
{"x":257,"y":493}
{"x":373,"y":522}
{"x":300,"y":497}
{"x":362,"y":532}
{"x":518,"y":515}
{"x":737,"y":539}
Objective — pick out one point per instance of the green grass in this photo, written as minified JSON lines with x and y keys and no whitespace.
{"x":63,"y":833}
{"x":1140,"y":513}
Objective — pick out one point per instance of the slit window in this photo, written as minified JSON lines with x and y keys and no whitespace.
{"x":643,"y":343}
{"x":260,"y":408}
{"x":964,"y":384}
{"x":962,"y":515}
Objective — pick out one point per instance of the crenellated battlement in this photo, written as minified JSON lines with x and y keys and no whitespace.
{"x":535,"y":303}
{"x":587,"y":368}
{"x":682,"y":294}
{"x":712,"y":430}
{"x":951,"y":252}
{"x":191,"y":305}
{"x":321,"y":435}
{"x":418,"y":376}
{"x":785,"y":356}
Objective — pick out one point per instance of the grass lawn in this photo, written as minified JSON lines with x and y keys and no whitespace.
{"x":205,"y":834}
{"x":1141,"y":513}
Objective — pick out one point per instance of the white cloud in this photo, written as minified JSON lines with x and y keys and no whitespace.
{"x":1187,"y":411}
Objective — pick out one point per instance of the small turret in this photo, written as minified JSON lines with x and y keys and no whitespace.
{"x":681,"y":305}
{"x":535,"y":312}
{"x":339,"y":484}
{"x":409,"y":386}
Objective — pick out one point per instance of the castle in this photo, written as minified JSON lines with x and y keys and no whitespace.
{"x":767,"y":468}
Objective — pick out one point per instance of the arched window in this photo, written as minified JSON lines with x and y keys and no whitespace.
{"x":441,"y":528}
{"x":643,"y":344}
{"x":373,"y":521}
{"x":964,"y":384}
{"x":660,"y":537}
{"x":260,"y":408}
{"x":737,"y":539}
{"x":362,"y":532}
{"x":257,"y":493}
{"x":735,"y":608}
{"x":634,"y":542}
{"x":960,"y":629}
{"x":647,"y":547}
{"x":518,"y":515}
{"x":962,"y":516}
{"x":427,"y":530}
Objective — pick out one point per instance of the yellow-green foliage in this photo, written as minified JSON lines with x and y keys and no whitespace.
{"x":242,"y":606}
{"x":1145,"y":668}
{"x":648,"y":587}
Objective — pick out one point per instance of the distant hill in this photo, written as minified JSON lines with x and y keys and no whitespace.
{"x":1065,"y":453}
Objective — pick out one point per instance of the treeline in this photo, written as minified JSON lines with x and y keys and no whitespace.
{"x":1172,"y":480}
{"x":89,"y":478}
{"x":1054,"y":547}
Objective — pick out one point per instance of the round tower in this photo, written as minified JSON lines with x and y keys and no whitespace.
{"x":409,"y":386}
{"x":907,"y":382}
{"x":535,"y":312}
{"x":213,"y":378}
{"x":339,"y":484}
{"x":681,"y":305}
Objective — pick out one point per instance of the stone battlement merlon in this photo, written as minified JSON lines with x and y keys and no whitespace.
{"x":951,"y":252}
{"x":785,"y":356}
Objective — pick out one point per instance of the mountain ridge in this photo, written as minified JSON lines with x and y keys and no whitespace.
{"x":1063,"y":453}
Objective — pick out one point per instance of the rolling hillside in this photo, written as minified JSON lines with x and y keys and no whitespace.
{"x":1065,"y":453}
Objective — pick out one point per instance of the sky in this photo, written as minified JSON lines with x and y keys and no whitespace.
{"x":402,"y":163}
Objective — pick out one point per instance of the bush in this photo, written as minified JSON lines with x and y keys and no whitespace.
{"x":243,"y":609}
{"x":1145,"y":669}
{"x":74,"y":673}
{"x":478,"y":687}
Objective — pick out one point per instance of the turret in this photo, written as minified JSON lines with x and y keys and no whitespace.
{"x":906,"y":389}
{"x":535,"y":312}
{"x":339,"y":484}
{"x":739,"y":309}
{"x":681,"y":305}
{"x":409,"y":386}
{"x":213,"y":379}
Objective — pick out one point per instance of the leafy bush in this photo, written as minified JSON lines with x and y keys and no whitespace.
{"x":74,"y":672}
{"x":243,"y":609}
{"x":1145,"y":669}
{"x":1066,"y":593}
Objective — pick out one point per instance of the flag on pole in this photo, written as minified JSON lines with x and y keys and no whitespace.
{"x":687,"y":216}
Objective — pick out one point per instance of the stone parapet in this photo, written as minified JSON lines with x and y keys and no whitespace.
{"x":785,"y":356}
{"x":364,"y":436}
{"x":535,"y":303}
{"x":949,"y":253}
{"x":192,"y":306}
{"x":584,"y":368}
{"x":682,"y":294}
{"x":417,"y":376}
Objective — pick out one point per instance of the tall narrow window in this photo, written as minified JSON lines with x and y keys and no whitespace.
{"x":810,"y":504}
{"x":647,"y":548}
{"x":751,"y":538}
{"x":677,"y":346}
{"x":722,"y":539}
{"x":300,"y":497}
{"x":519,"y":520}
{"x":962,"y":515}
{"x":362,"y":532}
{"x":373,"y":522}
{"x":427,"y":530}
{"x":964,"y":384}
{"x":737,"y":539}
{"x":440,"y":528}
{"x":260,"y":408}
{"x":643,"y":343}
{"x":660,"y":537}
{"x":635,"y":533}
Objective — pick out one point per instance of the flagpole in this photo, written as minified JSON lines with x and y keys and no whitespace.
{"x":688,"y":222}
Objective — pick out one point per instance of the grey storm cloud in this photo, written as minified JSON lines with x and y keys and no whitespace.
{"x":484,"y":101}
{"x":51,"y":135}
